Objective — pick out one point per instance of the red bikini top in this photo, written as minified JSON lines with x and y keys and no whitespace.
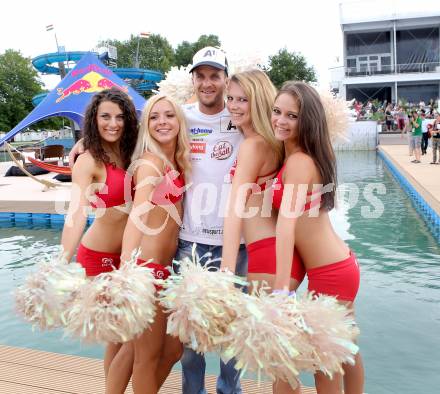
{"x":278,"y":193}
{"x":112,"y":193}
{"x":262,"y":185}
{"x":170,"y":190}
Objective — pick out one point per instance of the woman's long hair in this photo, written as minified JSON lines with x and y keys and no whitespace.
{"x":146,"y":143}
{"x":260,"y":93}
{"x":313,"y":136}
{"x":92,"y":139}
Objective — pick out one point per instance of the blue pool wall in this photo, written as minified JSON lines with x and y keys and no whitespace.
{"x":431,"y":217}
{"x":48,"y":220}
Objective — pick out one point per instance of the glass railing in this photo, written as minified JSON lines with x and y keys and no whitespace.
{"x":418,"y":67}
{"x":427,"y":67}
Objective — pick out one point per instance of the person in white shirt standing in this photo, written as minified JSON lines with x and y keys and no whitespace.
{"x":214,"y":146}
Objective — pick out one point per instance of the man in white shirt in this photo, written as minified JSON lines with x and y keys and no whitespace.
{"x":214,"y":146}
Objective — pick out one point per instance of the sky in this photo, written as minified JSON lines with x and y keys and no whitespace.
{"x":261,"y":28}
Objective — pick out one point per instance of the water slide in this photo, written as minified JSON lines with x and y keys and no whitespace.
{"x":48,"y":64}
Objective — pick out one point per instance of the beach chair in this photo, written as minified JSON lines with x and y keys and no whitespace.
{"x":51,"y":152}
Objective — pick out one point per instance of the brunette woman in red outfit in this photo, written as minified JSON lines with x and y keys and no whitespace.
{"x":304,"y":196}
{"x":99,"y":180}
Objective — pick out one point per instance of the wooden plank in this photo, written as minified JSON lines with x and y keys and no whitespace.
{"x":55,"y":361}
{"x":51,"y":379}
{"x":14,"y":388}
{"x":27,"y":371}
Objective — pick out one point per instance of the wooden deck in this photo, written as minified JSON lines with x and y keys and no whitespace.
{"x":26,"y":371}
{"x":422,"y":176}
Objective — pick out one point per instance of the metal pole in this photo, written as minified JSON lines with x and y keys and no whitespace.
{"x":395,"y":46}
{"x":56,"y":41}
{"x":137,"y":53}
{"x":60,"y":64}
{"x":62,"y":70}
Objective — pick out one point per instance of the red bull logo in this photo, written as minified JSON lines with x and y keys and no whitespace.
{"x":90,"y":83}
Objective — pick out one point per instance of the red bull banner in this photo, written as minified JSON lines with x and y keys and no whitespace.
{"x":91,"y":79}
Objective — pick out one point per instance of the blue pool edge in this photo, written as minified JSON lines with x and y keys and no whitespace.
{"x":429,"y":215}
{"x":51,"y":220}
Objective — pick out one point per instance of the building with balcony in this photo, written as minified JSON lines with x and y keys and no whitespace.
{"x":391,"y":51}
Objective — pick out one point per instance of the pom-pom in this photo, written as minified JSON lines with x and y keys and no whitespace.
{"x":337,"y":114}
{"x":177,"y":84}
{"x":331,"y":330}
{"x":264,"y":338}
{"x":280,"y":335}
{"x":201,"y":302}
{"x":115,"y":306}
{"x":241,"y":61}
{"x":45,"y":295}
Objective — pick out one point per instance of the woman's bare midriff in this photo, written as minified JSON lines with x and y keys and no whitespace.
{"x":161,"y":247}
{"x":317,"y":242}
{"x":105,"y":233}
{"x":261,"y":225}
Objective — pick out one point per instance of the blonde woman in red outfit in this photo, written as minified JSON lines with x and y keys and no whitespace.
{"x":250,"y":96}
{"x":305,"y":195}
{"x":162,"y":154}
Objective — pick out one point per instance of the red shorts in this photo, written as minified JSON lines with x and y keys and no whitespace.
{"x":159,"y":271}
{"x":95,"y":262}
{"x":401,"y":123}
{"x":339,"y":279}
{"x":262,"y":259}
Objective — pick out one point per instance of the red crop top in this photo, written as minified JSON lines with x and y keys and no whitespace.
{"x":262,"y":185}
{"x":112,"y":194}
{"x":170,"y":190}
{"x":278,"y":193}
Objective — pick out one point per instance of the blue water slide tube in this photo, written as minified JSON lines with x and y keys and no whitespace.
{"x":44,"y":63}
{"x":39,"y":98}
{"x":138,"y":73}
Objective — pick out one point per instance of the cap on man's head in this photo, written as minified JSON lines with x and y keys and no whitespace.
{"x":210,"y":56}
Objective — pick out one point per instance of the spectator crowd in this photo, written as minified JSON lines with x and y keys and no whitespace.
{"x":420,"y":122}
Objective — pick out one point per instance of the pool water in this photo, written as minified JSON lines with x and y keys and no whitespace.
{"x":398,"y":306}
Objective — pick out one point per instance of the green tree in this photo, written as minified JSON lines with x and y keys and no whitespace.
{"x":184,"y":53}
{"x":19,"y":82}
{"x":155,"y":52}
{"x":286,"y":66}
{"x":186,"y":50}
{"x":53,"y":123}
{"x":207,"y":41}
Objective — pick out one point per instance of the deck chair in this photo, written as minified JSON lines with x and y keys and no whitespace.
{"x":52,"y":151}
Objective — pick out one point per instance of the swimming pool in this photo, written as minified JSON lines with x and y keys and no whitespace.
{"x":398,"y":306}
